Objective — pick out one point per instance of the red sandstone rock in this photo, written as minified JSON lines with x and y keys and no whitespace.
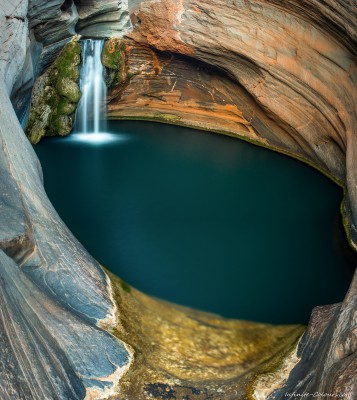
{"x":289,"y":74}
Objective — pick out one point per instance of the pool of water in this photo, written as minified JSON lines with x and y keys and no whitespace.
{"x":202,"y":219}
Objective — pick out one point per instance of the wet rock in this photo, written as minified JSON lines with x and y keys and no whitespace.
{"x":69,"y":89}
{"x":55,"y":96}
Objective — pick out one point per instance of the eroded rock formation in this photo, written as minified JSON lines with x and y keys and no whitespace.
{"x":296,"y":80}
{"x":55,"y":96}
{"x":289,"y":69}
{"x":281,"y":74}
{"x":54,"y":23}
{"x":56,"y":300}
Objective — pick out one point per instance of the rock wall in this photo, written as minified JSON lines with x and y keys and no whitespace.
{"x":55,"y":96}
{"x":172,"y":89}
{"x":56,"y":301}
{"x":292,"y":66}
{"x":102,"y":18}
{"x":290,"y":71}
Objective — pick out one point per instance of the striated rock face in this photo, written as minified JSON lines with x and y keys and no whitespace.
{"x":174,"y":89}
{"x":286,"y":71}
{"x":56,"y":300}
{"x":102,"y":18}
{"x":299,"y":75}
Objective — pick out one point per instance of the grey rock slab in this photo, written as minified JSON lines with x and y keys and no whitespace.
{"x":51,"y":348}
{"x":55,"y":297}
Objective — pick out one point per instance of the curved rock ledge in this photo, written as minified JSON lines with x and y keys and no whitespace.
{"x":56,"y":300}
{"x":280,"y":74}
{"x":285,"y":79}
{"x":292,"y":68}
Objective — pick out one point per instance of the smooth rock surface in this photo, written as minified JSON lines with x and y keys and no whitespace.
{"x":102,"y":18}
{"x":293,"y":66}
{"x":56,"y":299}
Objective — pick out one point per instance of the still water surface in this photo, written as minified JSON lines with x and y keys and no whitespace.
{"x":201,"y":219}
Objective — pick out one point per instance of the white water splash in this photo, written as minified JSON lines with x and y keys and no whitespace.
{"x":91,"y":114}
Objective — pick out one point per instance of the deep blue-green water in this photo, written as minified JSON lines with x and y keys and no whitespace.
{"x":203,"y":220}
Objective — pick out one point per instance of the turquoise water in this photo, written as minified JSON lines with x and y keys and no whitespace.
{"x":203,"y":220}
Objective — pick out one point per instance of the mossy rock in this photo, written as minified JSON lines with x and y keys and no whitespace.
{"x":66,"y":107}
{"x":114,"y":59}
{"x":69,"y":89}
{"x":39,"y":121}
{"x":57,"y":92}
{"x":62,"y":125}
{"x":113,"y":53}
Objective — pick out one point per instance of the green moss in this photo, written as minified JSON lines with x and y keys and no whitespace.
{"x":169,"y":117}
{"x":58,"y":95}
{"x":66,"y":65}
{"x":66,"y":107}
{"x":114,"y":59}
{"x":69,"y":89}
{"x":113,"y":55}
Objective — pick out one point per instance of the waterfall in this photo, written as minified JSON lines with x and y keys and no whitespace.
{"x":91,"y":112}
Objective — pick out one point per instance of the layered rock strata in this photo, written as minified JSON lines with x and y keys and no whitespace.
{"x":102,"y":18}
{"x":291,"y":67}
{"x":291,"y":72}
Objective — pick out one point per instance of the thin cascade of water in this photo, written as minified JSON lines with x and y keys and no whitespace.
{"x":91,"y":113}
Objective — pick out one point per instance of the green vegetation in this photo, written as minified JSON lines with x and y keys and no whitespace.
{"x":114,"y":60}
{"x":55,"y":96}
{"x":113,"y":53}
